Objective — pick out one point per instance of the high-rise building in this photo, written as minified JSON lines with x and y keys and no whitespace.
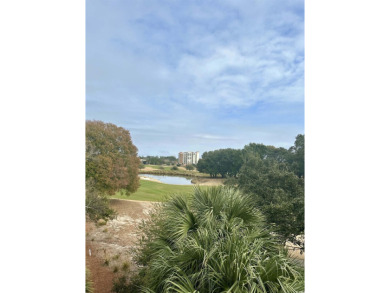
{"x":188,"y":158}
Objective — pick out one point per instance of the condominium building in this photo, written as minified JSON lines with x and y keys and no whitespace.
{"x":188,"y":158}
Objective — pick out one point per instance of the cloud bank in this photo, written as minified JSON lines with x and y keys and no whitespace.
{"x":197,"y":74}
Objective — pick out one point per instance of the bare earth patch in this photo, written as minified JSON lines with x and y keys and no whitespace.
{"x":111,"y":245}
{"x":145,"y":177}
{"x":109,"y":248}
{"x":208,"y":181}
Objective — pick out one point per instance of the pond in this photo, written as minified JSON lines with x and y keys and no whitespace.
{"x":177,"y":180}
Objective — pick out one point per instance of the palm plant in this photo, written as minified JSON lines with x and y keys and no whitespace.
{"x":214,"y":241}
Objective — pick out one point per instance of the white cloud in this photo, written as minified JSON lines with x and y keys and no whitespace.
{"x":165,"y":69}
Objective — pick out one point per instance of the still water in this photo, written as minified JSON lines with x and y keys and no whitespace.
{"x":177,"y":180}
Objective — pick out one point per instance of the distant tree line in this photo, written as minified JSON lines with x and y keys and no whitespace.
{"x":160,"y":160}
{"x":228,"y":162}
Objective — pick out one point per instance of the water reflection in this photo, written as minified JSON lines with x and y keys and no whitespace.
{"x":177,"y":180}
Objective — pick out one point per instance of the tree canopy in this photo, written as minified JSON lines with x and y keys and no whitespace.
{"x":226,"y":162}
{"x":297,"y":158}
{"x":279,"y":194}
{"x":275,"y":177}
{"x":266,"y":152}
{"x":111,"y":158}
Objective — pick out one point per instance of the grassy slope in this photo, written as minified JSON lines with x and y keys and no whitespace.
{"x":168,"y":171}
{"x":153,"y":191}
{"x":158,"y":167}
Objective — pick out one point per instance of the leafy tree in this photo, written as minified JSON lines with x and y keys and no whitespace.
{"x":207,"y":164}
{"x":97,"y":204}
{"x":111,"y":158}
{"x":111,"y":164}
{"x":266,"y":152}
{"x":216,"y":241}
{"x":226,"y":162}
{"x":279,"y":194}
{"x":297,"y":158}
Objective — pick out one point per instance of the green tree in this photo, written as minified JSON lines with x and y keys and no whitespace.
{"x":279,"y":194}
{"x":111,"y":158}
{"x":208,"y":164}
{"x":266,"y":152}
{"x":297,"y":155}
{"x":226,"y":162}
{"x":111,"y":164}
{"x":215,"y":241}
{"x":96,"y":203}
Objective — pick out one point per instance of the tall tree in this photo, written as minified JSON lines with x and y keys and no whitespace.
{"x":297,"y":155}
{"x":279,"y":194}
{"x":111,"y":164}
{"x":111,"y":158}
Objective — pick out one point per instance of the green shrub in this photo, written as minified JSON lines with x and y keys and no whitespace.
{"x":96,"y":204}
{"x":88,"y":281}
{"x":215,"y":241}
{"x":125,"y":266}
{"x":174,"y":168}
{"x":190,"y":167}
{"x":122,"y":284}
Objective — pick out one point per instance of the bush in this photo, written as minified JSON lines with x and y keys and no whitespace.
{"x":215,"y":241}
{"x":88,"y":281}
{"x":190,"y":167}
{"x":174,"y":168}
{"x":96,"y":205}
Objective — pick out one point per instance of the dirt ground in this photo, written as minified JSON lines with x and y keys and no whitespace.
{"x":112,"y":245}
{"x":208,"y":181}
{"x":109,"y":248}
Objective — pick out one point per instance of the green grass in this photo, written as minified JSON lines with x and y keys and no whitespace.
{"x":158,"y":167}
{"x":154,"y":191}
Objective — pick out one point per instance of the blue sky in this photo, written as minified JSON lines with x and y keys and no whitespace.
{"x":197,"y":75}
